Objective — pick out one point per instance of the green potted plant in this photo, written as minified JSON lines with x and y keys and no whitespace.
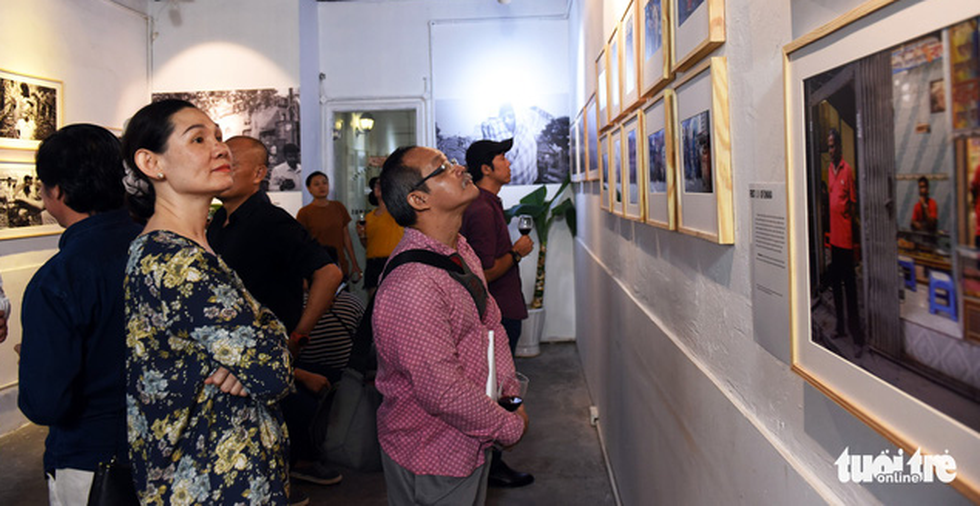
{"x":544,"y":212}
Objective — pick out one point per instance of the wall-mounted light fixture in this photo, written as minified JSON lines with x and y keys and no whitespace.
{"x":365,"y":123}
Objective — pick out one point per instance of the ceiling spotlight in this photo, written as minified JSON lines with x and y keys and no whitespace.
{"x":504,"y":2}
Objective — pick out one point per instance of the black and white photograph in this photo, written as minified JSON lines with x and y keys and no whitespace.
{"x":696,"y":153}
{"x":29,"y":110}
{"x":21,"y":206}
{"x":270,"y":115}
{"x":658,"y":161}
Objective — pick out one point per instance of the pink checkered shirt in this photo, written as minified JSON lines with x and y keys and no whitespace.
{"x":436,"y":418}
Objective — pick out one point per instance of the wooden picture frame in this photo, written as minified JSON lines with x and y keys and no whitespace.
{"x":633,"y":191}
{"x":30,"y":109}
{"x":615,"y":60}
{"x":602,"y":88}
{"x":630,"y":43}
{"x":856,"y":55}
{"x":591,"y":140}
{"x":616,"y":171}
{"x":702,"y":139}
{"x":576,"y":151}
{"x":604,"y":160}
{"x":697,"y":28}
{"x":659,"y":170}
{"x":23,"y":210}
{"x":654,"y":48}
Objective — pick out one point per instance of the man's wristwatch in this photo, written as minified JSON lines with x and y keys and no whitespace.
{"x":516,"y":256}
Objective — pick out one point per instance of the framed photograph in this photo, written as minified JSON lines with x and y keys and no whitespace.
{"x":697,"y":28}
{"x":629,"y":30}
{"x":604,"y":159}
{"x":616,"y":171}
{"x":615,"y":75}
{"x":22,"y":211}
{"x":654,"y":49}
{"x":884,"y":255}
{"x":575,"y":149}
{"x":657,"y":169}
{"x":602,"y":87}
{"x":632,"y":183}
{"x":703,"y":154}
{"x":591,"y":141}
{"x":30,"y":110}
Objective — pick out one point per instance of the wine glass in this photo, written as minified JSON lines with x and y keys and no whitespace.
{"x":524,"y":224}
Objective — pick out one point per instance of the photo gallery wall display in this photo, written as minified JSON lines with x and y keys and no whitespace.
{"x":654,"y":45}
{"x":630,"y":43}
{"x":602,"y":88}
{"x":30,"y":110}
{"x":591,"y":140}
{"x":697,"y":28}
{"x":604,"y":200}
{"x":632,"y":182}
{"x":658,"y":171}
{"x":616,"y":171}
{"x":22,"y":212}
{"x":883,"y":129}
{"x":703,"y":153}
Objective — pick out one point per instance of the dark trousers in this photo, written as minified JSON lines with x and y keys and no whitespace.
{"x":842,"y":273}
{"x":513,"y":328}
{"x":299,"y":409}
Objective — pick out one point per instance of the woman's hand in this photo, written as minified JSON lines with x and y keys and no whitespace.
{"x":226,"y":382}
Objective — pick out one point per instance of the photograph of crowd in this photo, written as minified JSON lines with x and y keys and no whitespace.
{"x":893,"y":257}
{"x":28,"y":109}
{"x":696,"y":153}
{"x":270,"y":115}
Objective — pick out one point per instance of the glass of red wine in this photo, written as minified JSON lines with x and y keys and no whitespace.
{"x":512,"y":402}
{"x":524,"y":224}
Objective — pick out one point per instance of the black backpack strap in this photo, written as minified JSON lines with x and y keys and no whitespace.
{"x":422,"y":256}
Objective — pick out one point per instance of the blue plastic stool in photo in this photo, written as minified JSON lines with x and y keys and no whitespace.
{"x":942,"y":294}
{"x":907,"y":264}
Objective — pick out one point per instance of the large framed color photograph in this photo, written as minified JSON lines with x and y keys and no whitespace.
{"x":592,"y":141}
{"x":30,"y":110}
{"x":658,"y":170}
{"x":632,"y":183}
{"x":697,"y":28}
{"x":883,"y":143}
{"x":703,"y":154}
{"x":654,"y":45}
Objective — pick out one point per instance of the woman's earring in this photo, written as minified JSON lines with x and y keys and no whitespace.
{"x":160,"y":176}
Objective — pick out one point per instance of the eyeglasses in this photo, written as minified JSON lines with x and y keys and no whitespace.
{"x":448,"y":164}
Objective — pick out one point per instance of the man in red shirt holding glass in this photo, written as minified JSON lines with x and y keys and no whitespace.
{"x":843,"y":206}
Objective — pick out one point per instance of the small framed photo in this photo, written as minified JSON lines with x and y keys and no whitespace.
{"x":22,"y":212}
{"x":654,"y":50}
{"x":658,"y":162}
{"x":591,"y":141}
{"x":632,"y":183}
{"x":629,"y":30}
{"x":703,"y":154}
{"x":616,"y":171}
{"x":578,"y":148}
{"x":602,"y":88}
{"x":697,"y":28}
{"x":604,"y":159}
{"x":573,"y":170}
{"x":615,"y":75}
{"x":30,"y":110}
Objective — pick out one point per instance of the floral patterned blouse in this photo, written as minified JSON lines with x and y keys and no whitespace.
{"x":187,"y":313}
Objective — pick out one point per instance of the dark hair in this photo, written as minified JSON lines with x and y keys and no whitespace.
{"x":925,"y":180}
{"x":309,"y":179}
{"x":290,"y":148}
{"x":149,"y":128}
{"x":371,"y":198}
{"x":85,"y":162}
{"x":397,"y":181}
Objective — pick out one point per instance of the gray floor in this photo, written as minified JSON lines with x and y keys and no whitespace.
{"x":561,"y":449}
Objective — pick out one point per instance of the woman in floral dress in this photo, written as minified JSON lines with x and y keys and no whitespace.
{"x":206,"y":364}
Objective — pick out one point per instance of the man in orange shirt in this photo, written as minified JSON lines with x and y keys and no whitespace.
{"x":843,"y":206}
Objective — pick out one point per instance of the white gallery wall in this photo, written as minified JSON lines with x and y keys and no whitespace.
{"x":97,"y":49}
{"x":381,"y":51}
{"x":693,"y":409}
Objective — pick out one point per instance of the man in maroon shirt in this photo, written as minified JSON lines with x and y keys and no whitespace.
{"x":438,"y":420}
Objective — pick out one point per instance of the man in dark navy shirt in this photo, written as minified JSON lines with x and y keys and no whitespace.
{"x":273,"y":255}
{"x":73,"y":366}
{"x":485,"y":227}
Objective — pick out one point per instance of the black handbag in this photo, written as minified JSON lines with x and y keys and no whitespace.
{"x":113,"y":485}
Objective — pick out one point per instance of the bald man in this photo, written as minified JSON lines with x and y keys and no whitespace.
{"x":273,"y":255}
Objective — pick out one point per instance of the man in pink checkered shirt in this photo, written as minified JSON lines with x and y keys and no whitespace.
{"x":436,"y":424}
